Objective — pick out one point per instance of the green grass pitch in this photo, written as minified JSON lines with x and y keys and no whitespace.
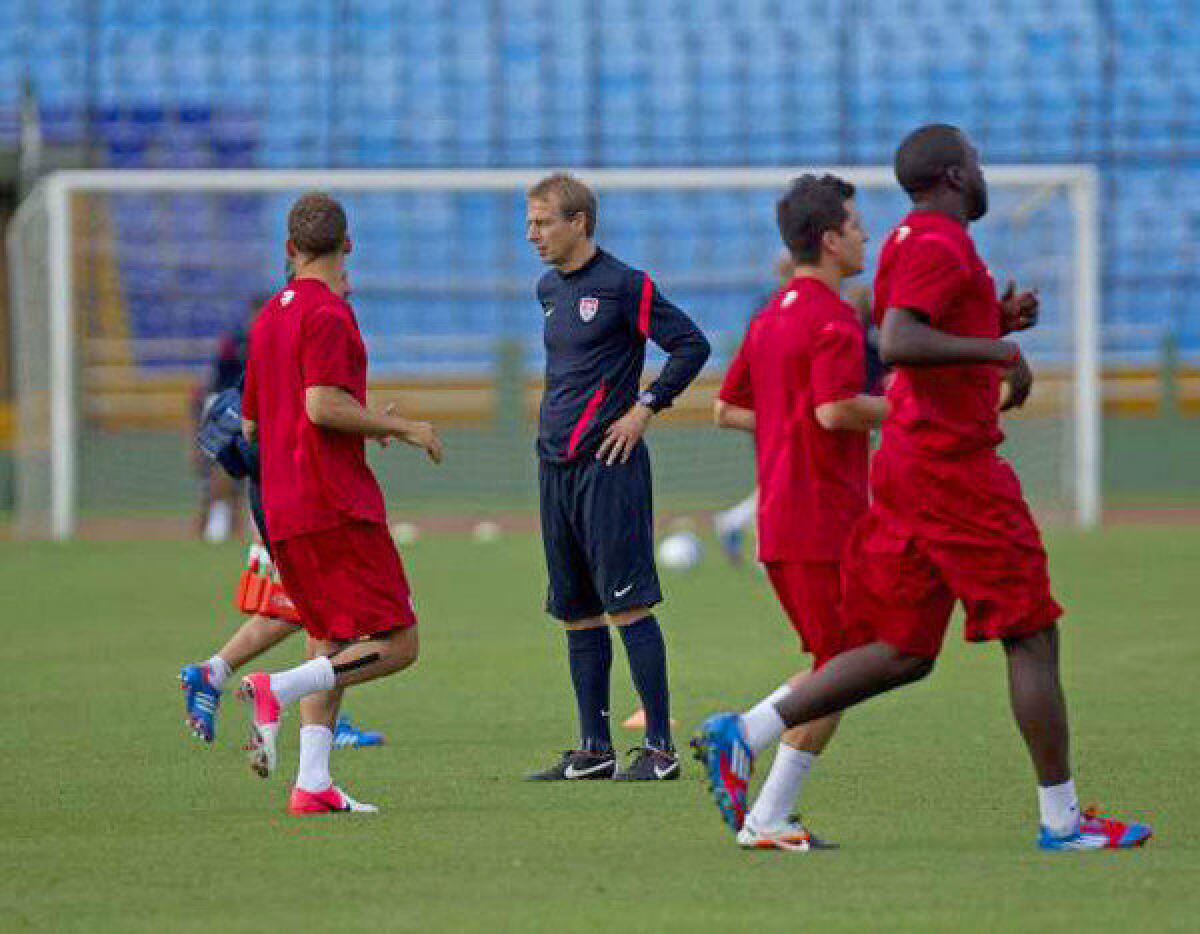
{"x":114,"y":819}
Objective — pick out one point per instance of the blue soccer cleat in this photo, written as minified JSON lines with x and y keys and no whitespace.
{"x":721,"y":747}
{"x":1097,"y":832}
{"x":347,"y":735}
{"x":200,"y":701}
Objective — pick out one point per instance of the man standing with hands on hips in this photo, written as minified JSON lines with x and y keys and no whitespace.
{"x":595,"y":485}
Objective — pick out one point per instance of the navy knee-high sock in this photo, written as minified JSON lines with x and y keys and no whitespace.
{"x":589,"y":652}
{"x":648,"y":663}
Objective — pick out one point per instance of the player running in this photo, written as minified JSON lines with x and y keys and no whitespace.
{"x":596,"y":510}
{"x":260,"y":595}
{"x":947,"y":521}
{"x":797,"y":383}
{"x":305,"y":403}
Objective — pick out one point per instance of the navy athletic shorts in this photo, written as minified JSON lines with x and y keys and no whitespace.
{"x":598,"y":532}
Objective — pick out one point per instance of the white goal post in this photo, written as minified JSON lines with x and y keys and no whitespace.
{"x":41,"y":243}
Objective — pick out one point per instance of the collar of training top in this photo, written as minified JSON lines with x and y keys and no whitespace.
{"x":586,"y":266}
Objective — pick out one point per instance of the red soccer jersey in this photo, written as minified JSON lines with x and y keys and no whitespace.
{"x":312,"y":479}
{"x":929,"y":264}
{"x":805,"y":348}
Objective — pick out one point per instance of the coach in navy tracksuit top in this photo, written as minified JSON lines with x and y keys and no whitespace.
{"x":595,"y":485}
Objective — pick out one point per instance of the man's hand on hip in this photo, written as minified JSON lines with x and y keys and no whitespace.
{"x":624,"y":434}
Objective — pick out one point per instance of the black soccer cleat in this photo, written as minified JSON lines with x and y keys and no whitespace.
{"x":578,"y":765}
{"x":651,"y":765}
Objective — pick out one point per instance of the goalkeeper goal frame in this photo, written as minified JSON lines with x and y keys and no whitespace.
{"x":52,"y":198}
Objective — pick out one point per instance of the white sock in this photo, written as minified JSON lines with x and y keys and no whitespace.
{"x":779,"y":693}
{"x":218,"y":671}
{"x":743,"y":514}
{"x":316,"y":743}
{"x":1059,"y":807}
{"x":739,"y":516}
{"x":291,"y":685}
{"x":782,"y":788}
{"x":762,"y":725}
{"x":220,"y":522}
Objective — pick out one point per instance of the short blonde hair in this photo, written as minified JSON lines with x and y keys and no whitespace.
{"x":573,"y":196}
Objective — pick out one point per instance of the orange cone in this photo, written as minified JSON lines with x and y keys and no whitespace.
{"x":637,"y":720}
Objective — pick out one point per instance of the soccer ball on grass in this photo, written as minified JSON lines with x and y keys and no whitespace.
{"x":680,"y":551}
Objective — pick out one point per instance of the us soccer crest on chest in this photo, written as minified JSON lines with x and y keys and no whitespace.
{"x":579,"y":319}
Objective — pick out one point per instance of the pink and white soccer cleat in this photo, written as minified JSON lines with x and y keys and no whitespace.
{"x":330,"y":801}
{"x":255,"y":690}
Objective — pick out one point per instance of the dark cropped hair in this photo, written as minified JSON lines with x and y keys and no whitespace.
{"x":810,"y":207}
{"x":317,"y":224}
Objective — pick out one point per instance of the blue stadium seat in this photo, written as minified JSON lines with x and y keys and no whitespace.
{"x":704,"y":82}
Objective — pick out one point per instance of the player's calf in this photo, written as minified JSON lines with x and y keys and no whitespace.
{"x":849,"y":679}
{"x":376,"y":657}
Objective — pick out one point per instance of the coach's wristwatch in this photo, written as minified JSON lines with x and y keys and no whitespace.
{"x":649,"y":400}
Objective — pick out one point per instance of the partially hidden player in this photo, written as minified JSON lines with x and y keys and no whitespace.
{"x":797,"y":383}
{"x":260,"y":595}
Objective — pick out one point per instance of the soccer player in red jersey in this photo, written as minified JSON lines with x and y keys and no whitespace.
{"x":305,"y":404}
{"x":797,"y":383}
{"x":947,"y":522}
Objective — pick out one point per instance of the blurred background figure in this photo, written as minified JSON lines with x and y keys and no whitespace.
{"x":222,"y":505}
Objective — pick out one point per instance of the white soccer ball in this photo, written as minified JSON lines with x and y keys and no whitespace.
{"x":680,"y":551}
{"x":405,"y":533}
{"x":485,"y":533}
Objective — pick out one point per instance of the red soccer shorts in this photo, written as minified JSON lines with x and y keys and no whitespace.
{"x":941,"y":531}
{"x":347,"y":582}
{"x":811,"y":595}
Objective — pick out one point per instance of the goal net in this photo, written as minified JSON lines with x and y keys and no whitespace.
{"x":125,"y":280}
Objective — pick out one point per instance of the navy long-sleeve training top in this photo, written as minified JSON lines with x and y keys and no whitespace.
{"x":597,"y":320}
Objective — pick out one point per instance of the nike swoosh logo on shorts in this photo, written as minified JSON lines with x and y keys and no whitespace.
{"x":571,"y":772}
{"x":618,"y":594}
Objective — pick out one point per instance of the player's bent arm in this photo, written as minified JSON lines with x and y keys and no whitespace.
{"x":727,"y":415}
{"x":858,"y":413}
{"x":907,"y":339}
{"x":334,"y":409}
